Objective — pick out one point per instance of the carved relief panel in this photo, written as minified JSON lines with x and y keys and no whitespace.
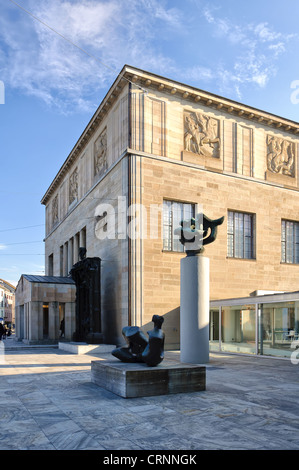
{"x":73,"y":186}
{"x":100,"y":153}
{"x":201,"y":134}
{"x":55,"y":210}
{"x":280,"y":156}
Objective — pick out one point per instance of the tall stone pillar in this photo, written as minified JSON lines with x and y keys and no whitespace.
{"x":69,"y":320}
{"x":35,"y":321}
{"x":26,"y":320}
{"x":195,"y":286}
{"x":82,"y":239}
{"x":53,"y":320}
{"x":194,"y":310}
{"x":17,"y":321}
{"x":65,"y":259}
{"x":70,"y":255}
{"x":76,"y":249}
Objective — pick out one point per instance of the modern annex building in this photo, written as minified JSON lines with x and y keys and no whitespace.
{"x":157,"y":151}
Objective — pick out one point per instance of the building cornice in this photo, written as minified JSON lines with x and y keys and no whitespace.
{"x":195,"y":95}
{"x":146,"y":82}
{"x":88,"y":132}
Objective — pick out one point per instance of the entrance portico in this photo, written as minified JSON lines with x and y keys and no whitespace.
{"x":42,"y":302}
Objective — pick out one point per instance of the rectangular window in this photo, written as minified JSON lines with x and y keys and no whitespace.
{"x":50,"y":265}
{"x":289,"y":242}
{"x":61,"y":260}
{"x":173,"y":214}
{"x":240,"y":235}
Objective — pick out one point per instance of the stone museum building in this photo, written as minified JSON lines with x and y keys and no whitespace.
{"x":155,"y":152}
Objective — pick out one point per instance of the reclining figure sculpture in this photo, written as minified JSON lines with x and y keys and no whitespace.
{"x":141,"y":349}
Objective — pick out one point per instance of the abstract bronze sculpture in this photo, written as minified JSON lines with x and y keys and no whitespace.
{"x":198,"y":231}
{"x":141,"y":349}
{"x":87,"y":276}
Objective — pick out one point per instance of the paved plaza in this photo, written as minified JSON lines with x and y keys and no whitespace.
{"x":48,"y":402}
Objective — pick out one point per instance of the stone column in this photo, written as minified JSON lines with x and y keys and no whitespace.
{"x":53,"y":320}
{"x":76,"y":249}
{"x":65,"y":259}
{"x":82,"y":239}
{"x":70,"y":255}
{"x":69,"y":320}
{"x":35,"y":321}
{"x":26,"y":320}
{"x":194,"y":310}
{"x":17,"y":321}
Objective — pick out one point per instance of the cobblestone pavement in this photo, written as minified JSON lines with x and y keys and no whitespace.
{"x":49,"y":402}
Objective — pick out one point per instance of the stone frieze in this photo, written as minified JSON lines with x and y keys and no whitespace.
{"x":100,"y":153}
{"x":280,"y":156}
{"x":201,"y":134}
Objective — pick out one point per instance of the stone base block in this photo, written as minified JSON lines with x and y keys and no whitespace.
{"x":138,"y":380}
{"x":84,"y":348}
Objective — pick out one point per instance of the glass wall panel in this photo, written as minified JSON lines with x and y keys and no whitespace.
{"x":238,"y":326}
{"x":214,"y":329}
{"x":279,"y":328}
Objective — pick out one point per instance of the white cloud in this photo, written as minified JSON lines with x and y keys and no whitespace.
{"x":43,"y":64}
{"x":169,"y":16}
{"x":2,"y":247}
{"x":255,"y":49}
{"x":198,"y":74}
{"x":278,"y":48}
{"x":263,"y":31}
{"x":40,"y":63}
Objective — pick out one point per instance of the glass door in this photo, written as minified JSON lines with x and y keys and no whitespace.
{"x":214,"y":329}
{"x":278,"y":328}
{"x":238,"y":329}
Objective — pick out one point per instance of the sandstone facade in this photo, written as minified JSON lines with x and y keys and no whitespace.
{"x":154,"y":140}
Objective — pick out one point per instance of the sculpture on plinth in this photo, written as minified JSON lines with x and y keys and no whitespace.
{"x":87,"y":276}
{"x":141,"y":349}
{"x":198,"y":231}
{"x":194,"y":234}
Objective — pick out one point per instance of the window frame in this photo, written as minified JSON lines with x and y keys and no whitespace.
{"x":169,"y":227}
{"x":289,"y":246}
{"x":239,"y":245}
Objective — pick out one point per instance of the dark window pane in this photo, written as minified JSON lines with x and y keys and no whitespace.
{"x":173,"y":214}
{"x":240,"y":235}
{"x":289,"y":241}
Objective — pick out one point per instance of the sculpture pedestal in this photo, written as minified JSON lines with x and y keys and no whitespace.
{"x":194,"y":309}
{"x":131,"y":380}
{"x":85,"y":348}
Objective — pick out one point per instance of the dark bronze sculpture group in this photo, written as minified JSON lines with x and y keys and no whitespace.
{"x":139,"y":348}
{"x":194,"y":234}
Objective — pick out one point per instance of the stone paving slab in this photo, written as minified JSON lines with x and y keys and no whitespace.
{"x":48,"y":402}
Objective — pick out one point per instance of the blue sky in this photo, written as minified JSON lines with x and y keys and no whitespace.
{"x":246,"y":51}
